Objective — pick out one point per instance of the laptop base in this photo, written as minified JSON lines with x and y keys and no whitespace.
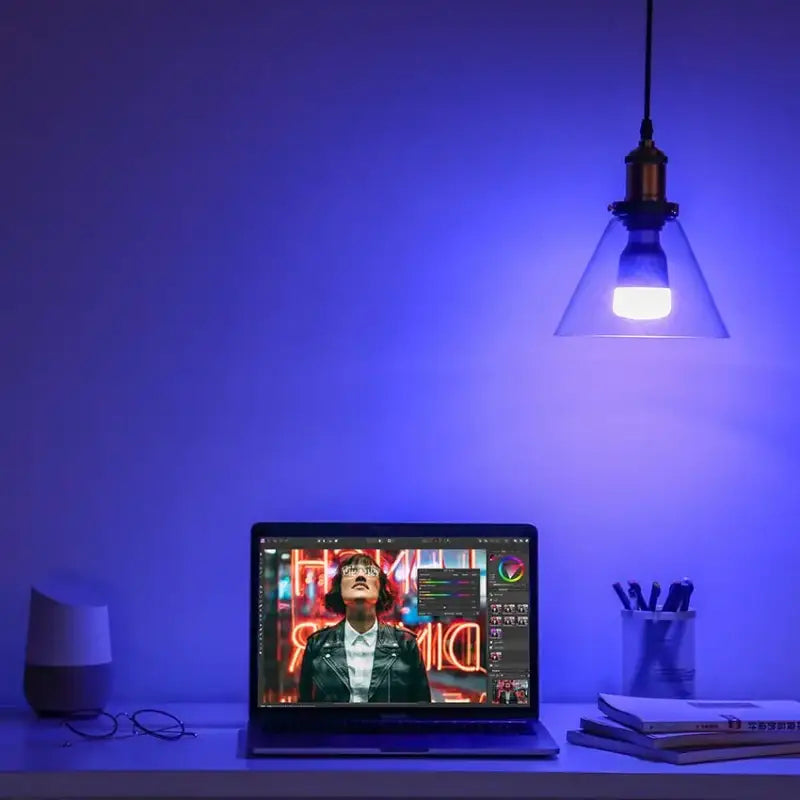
{"x":535,"y":743}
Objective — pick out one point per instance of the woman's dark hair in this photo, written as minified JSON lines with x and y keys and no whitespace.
{"x":333,"y":599}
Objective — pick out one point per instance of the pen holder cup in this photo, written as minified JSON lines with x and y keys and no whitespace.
{"x":658,"y":654}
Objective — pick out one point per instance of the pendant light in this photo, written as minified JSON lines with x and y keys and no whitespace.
{"x":643,"y":279}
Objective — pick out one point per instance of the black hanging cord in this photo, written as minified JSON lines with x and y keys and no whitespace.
{"x":646,"y":130}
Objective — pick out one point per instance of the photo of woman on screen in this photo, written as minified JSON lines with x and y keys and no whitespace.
{"x":360,"y":659}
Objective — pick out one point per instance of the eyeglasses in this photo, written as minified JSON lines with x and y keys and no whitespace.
{"x":351,"y":570}
{"x":93,"y":724}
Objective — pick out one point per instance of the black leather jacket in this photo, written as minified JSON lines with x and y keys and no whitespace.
{"x":398,"y":673}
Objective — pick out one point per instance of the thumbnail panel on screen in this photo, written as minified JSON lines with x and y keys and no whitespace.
{"x":381,"y":624}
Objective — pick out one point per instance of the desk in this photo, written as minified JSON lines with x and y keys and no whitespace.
{"x":34,"y":764}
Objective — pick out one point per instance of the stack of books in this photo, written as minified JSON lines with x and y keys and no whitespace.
{"x":691,"y":731}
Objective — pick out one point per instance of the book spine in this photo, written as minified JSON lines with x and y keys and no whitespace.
{"x":764,"y":726}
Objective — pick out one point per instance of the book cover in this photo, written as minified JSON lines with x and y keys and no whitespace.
{"x":603,"y":726}
{"x":659,"y":715}
{"x":684,"y":755}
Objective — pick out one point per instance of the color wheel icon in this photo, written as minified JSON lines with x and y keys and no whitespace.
{"x":511,"y":569}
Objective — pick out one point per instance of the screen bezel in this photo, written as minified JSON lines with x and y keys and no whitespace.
{"x":294,"y":713}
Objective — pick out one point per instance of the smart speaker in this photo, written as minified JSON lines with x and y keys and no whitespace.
{"x":68,"y":653}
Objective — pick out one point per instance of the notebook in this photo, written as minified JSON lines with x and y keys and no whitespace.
{"x":394,"y":639}
{"x":683,"y":755}
{"x":660,"y":715}
{"x":608,"y":728}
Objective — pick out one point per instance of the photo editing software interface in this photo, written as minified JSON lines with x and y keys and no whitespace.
{"x":393,"y":620}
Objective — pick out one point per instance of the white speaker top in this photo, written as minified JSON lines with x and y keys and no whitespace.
{"x":68,"y":626}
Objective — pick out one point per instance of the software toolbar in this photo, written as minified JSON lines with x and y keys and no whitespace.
{"x":508,"y":597}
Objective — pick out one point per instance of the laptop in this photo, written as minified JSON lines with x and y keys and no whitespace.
{"x":394,"y":639}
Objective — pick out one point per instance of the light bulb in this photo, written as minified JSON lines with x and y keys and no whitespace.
{"x":642,"y":291}
{"x":642,"y":302}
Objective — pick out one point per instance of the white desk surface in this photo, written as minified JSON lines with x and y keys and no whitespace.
{"x":34,"y":764}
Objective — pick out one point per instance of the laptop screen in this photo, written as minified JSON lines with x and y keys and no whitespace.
{"x":397,"y":621}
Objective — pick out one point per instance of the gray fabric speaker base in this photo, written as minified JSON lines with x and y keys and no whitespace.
{"x":63,"y":691}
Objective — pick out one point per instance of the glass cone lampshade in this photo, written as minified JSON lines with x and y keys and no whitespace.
{"x":642,"y":282}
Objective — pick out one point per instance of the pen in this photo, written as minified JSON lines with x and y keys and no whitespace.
{"x":635,"y":591}
{"x":617,"y":587}
{"x":687,"y":588}
{"x":673,"y":597}
{"x":655,"y":591}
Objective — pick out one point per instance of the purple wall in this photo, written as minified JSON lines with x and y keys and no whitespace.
{"x":304,"y":260}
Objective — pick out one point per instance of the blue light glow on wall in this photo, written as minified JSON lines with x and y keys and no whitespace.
{"x":304,"y":259}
